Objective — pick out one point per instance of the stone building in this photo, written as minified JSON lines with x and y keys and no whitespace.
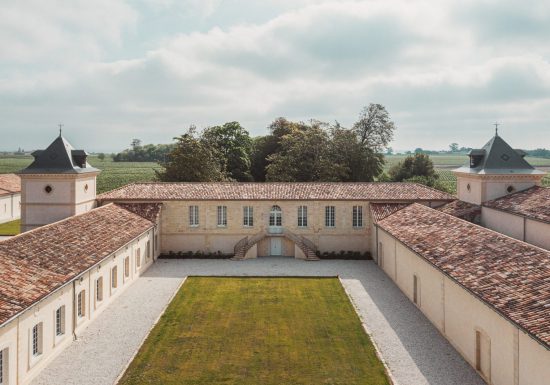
{"x":486,"y":292}
{"x":10,"y":197}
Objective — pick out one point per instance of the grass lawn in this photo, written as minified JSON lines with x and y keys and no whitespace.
{"x":258,"y":331}
{"x":10,"y":228}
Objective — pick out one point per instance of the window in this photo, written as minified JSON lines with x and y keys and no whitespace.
{"x":416,"y":290}
{"x":60,"y":321}
{"x":148,"y":250}
{"x":127,"y":267}
{"x":114,"y":277}
{"x":222,"y":215}
{"x":99,"y":289}
{"x":81,"y":304}
{"x":276,"y":216}
{"x":302,"y":216}
{"x":156,"y":242}
{"x":193,"y":215}
{"x":4,"y":366}
{"x":357,"y":219}
{"x":138,"y":258}
{"x":248,"y":216}
{"x":37,"y":339}
{"x":329,"y":216}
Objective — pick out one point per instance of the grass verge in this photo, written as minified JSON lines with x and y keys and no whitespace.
{"x":10,"y":228}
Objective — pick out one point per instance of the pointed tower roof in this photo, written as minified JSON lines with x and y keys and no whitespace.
{"x":59,"y":158}
{"x":497,"y":157}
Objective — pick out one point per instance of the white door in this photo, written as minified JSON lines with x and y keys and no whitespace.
{"x":276,"y":246}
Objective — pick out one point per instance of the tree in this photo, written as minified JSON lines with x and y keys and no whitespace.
{"x":191,"y":160}
{"x":429,"y":181}
{"x":453,"y":147}
{"x":413,"y":165}
{"x":234,"y":146}
{"x":305,"y":156}
{"x":135,"y":143}
{"x":389,"y":151}
{"x":374,"y":127}
{"x":262,"y":148}
{"x":101,"y":156}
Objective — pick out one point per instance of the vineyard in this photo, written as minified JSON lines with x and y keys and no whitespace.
{"x":113,"y":174}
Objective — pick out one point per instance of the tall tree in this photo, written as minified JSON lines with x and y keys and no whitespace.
{"x":191,"y":160}
{"x":305,"y":156}
{"x":234,"y":146}
{"x":374,"y":127}
{"x":262,"y":148}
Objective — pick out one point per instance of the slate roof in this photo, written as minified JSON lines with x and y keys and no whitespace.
{"x":36,"y":263}
{"x":510,"y":276}
{"x":380,"y":211}
{"x":59,"y":158}
{"x":274,"y":191}
{"x":463,"y":210}
{"x":10,"y":184}
{"x":497,"y":157}
{"x":533,"y":203}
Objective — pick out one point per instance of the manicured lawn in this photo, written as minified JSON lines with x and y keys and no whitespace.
{"x":258,"y":331}
{"x":10,"y":228}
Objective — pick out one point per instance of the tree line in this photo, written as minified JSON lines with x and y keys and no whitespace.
{"x":291,"y":152}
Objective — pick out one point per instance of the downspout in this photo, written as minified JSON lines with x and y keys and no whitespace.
{"x":377,"y":251}
{"x":74,"y":310}
{"x":17,"y":355}
{"x":524,"y":228}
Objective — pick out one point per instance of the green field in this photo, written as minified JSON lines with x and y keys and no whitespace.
{"x":113,"y":174}
{"x":10,"y":228}
{"x":444,"y":165}
{"x":257,"y":331}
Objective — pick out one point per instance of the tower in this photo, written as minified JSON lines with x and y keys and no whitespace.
{"x":494,"y":171}
{"x":58,"y":184}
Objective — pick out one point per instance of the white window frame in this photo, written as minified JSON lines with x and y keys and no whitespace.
{"x":221,"y":216}
{"x":126,"y":268}
{"x":138,"y":258}
{"x":194,"y":216}
{"x":330,"y":216}
{"x":357,"y":217}
{"x":248,"y":216}
{"x":81,"y":304}
{"x":99,"y":290}
{"x":4,"y":366}
{"x":302,"y":216}
{"x":37,"y":334}
{"x":114,"y":277}
{"x":60,"y":321}
{"x":148,"y":250}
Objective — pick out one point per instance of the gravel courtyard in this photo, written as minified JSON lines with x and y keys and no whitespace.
{"x":412,"y":348}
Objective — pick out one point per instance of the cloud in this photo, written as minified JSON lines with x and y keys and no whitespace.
{"x":436,"y":67}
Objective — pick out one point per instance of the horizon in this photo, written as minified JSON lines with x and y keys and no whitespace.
{"x":111,"y":71}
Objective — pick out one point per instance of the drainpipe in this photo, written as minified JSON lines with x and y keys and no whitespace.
{"x":74,"y":310}
{"x":377,"y":255}
{"x":524,"y":228}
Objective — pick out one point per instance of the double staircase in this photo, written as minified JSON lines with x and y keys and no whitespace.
{"x":304,"y":244}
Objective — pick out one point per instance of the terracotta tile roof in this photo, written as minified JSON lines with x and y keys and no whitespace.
{"x":10,"y":184}
{"x":382,"y":210}
{"x":275,"y":191}
{"x":532,"y":203}
{"x":511,"y":276}
{"x":149,"y":211}
{"x":463,"y":210}
{"x":35,"y":263}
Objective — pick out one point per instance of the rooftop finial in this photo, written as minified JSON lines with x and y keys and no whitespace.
{"x":60,"y":128}
{"x":496,"y":128}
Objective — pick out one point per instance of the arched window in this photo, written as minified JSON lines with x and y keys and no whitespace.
{"x":276,"y":216}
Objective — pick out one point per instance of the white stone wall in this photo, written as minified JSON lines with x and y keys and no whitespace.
{"x":514,"y":358}
{"x":10,"y":207}
{"x":17,"y":334}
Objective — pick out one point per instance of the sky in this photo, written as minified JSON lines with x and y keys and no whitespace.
{"x":113,"y":70}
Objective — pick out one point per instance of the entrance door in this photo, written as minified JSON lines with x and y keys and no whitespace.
{"x":276,"y":246}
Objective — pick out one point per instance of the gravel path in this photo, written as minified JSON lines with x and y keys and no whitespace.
{"x":413,"y":349}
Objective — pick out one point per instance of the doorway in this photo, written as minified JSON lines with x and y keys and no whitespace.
{"x":276,"y":246}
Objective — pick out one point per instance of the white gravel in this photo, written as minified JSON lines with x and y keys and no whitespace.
{"x":412,"y":348}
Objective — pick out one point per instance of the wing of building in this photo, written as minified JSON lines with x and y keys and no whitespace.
{"x":488,"y":293}
{"x":10,"y":197}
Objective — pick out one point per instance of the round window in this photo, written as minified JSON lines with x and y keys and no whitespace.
{"x":86,"y":187}
{"x":510,"y":189}
{"x":48,"y":189}
{"x":468,"y":187}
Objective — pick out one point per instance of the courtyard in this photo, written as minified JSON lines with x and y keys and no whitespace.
{"x":258,"y":331}
{"x":413,"y":350}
